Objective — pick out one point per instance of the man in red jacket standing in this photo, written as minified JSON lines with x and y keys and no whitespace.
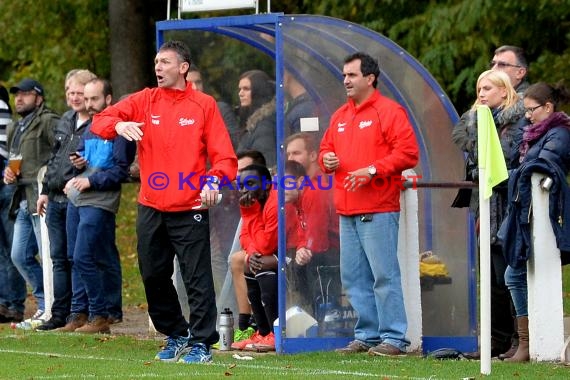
{"x":368,"y":144}
{"x":177,"y":130}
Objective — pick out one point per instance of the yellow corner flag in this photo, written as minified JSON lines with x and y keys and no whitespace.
{"x":489,"y":150}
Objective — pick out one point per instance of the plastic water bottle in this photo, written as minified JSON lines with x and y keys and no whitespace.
{"x":226,"y":329}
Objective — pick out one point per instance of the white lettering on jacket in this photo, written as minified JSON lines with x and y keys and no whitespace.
{"x":184,"y":122}
{"x":365,"y":124}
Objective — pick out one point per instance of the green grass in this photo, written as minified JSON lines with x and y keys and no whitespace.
{"x":35,"y":355}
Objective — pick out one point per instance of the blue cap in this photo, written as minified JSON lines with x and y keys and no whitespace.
{"x":28,"y":85}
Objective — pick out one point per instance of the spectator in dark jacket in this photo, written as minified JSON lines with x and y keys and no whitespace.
{"x":52,"y":202}
{"x":257,"y":114}
{"x":12,"y":285}
{"x":31,"y":139}
{"x":547,"y":139}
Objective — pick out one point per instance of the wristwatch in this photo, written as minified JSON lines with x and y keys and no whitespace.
{"x":372,"y":171}
{"x":213,"y":179}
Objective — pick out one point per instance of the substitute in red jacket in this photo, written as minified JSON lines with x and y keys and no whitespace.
{"x":258,"y":207}
{"x":177,"y":130}
{"x":368,"y":144}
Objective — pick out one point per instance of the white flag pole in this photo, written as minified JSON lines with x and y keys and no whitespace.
{"x":484,"y":276}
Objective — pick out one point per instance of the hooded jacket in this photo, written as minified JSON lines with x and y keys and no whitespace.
{"x":377,"y":133}
{"x":107,"y":167}
{"x":35,"y":147}
{"x":182,"y":129}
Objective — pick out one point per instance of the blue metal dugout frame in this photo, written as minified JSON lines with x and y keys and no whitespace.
{"x":248,"y":29}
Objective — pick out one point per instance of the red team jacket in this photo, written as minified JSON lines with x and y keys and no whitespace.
{"x":259,"y":227}
{"x":377,"y":133}
{"x":318,"y":221}
{"x":171,"y":172}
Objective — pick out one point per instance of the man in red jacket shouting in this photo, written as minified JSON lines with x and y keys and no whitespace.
{"x":177,"y":130}
{"x":368,"y":144}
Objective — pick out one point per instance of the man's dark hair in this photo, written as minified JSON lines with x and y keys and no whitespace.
{"x":295,"y":169}
{"x":107,"y":88}
{"x":262,"y":171}
{"x":368,"y":65}
{"x":181,"y":50}
{"x":517,"y":51}
{"x":255,"y":155}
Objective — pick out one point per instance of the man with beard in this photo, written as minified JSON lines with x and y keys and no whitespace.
{"x":30,"y":142}
{"x":94,"y":194}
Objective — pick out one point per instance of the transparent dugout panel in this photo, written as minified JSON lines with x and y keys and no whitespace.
{"x":311,"y":50}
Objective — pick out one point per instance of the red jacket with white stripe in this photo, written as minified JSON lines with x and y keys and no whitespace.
{"x":377,"y":133}
{"x":182,"y":129}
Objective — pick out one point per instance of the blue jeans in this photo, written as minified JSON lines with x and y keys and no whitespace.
{"x":56,"y":217}
{"x":370,"y":274}
{"x":516,"y":281}
{"x":12,"y":285}
{"x":26,"y":251}
{"x":90,"y":232}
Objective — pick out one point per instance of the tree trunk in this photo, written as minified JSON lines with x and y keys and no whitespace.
{"x":131,"y":53}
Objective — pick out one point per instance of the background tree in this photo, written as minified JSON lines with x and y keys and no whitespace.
{"x":129,"y":25}
{"x":45,"y":39}
{"x":453,"y":39}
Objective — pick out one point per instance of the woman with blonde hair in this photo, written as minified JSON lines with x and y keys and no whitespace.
{"x":495,"y":90}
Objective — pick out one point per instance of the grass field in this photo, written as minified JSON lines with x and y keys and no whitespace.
{"x":36,"y":355}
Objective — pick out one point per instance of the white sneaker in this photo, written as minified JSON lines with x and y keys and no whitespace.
{"x":33,"y":322}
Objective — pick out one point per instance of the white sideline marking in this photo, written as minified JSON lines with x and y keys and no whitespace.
{"x":274,"y":370}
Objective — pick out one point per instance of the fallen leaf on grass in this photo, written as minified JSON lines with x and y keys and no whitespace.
{"x":233,"y":365}
{"x":228,"y":373}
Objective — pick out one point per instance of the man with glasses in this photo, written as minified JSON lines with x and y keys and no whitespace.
{"x":512,"y":60}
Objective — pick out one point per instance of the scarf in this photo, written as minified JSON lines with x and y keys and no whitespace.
{"x":533,"y":132}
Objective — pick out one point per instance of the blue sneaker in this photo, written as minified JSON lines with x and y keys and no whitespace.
{"x":199,"y":353}
{"x":175,"y":347}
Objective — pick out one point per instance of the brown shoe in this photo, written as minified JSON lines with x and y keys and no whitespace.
{"x":385,"y":349}
{"x":97,"y":325}
{"x":353,"y":347}
{"x":75,"y":321}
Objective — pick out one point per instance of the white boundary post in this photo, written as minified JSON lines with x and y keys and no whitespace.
{"x":408,"y":256}
{"x":545,"y":312}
